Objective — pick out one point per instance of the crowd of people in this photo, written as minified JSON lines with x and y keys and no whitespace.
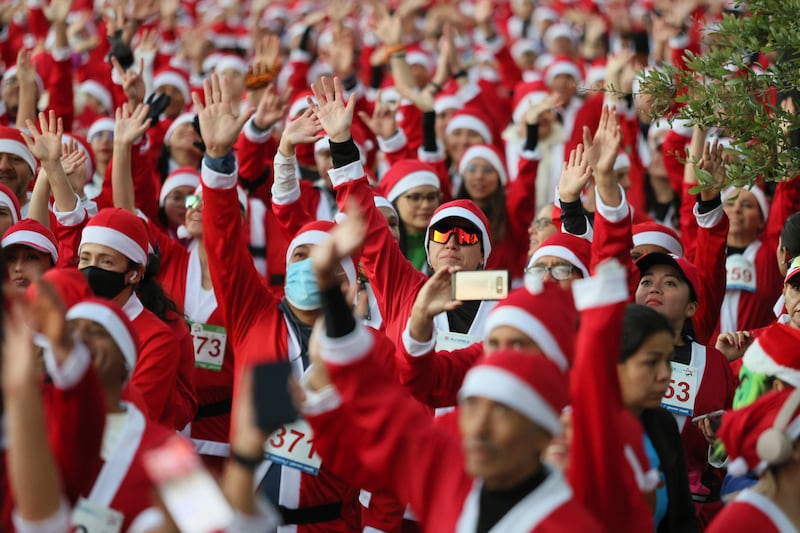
{"x":200,"y":197}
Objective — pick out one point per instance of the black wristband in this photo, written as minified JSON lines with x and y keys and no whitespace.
{"x":349,"y":83}
{"x":706,"y":206}
{"x":531,"y":137}
{"x":339,"y":320}
{"x":435,"y":86}
{"x":250,"y":463}
{"x":429,"y":143}
{"x":344,"y":153}
{"x":460,"y":74}
{"x":573,"y":217}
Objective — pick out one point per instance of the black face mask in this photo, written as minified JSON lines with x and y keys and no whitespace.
{"x":104,"y":283}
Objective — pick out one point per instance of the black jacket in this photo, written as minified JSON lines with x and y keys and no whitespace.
{"x":660,"y":426}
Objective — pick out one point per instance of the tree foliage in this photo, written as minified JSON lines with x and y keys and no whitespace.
{"x":726,"y":88}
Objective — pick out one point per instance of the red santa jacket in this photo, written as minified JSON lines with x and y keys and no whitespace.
{"x":431,"y":478}
{"x":751,"y":511}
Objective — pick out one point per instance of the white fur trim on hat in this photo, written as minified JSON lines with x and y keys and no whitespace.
{"x":380,"y":201}
{"x":522,"y":46}
{"x":532,"y":99}
{"x":100,"y":93}
{"x":176,"y":80}
{"x":419,"y":58}
{"x":489,"y":155}
{"x":557,"y":31}
{"x":562,"y":253}
{"x":757,"y":192}
{"x":185,"y":118}
{"x":409,"y":181}
{"x":466,"y":214}
{"x":10,"y":146}
{"x":658,"y":238}
{"x":299,"y":106}
{"x":759,"y":361}
{"x":35,"y":240}
{"x":6,"y":201}
{"x":504,"y":387}
{"x":443,"y":103}
{"x":622,"y":161}
{"x":322,"y":144}
{"x":184,"y":179}
{"x":11,"y":72}
{"x":528,"y":324}
{"x":100,"y":125}
{"x":231,"y":62}
{"x":116,"y":240}
{"x":318,"y":237}
{"x":563,"y":67}
{"x":111,"y":322}
{"x":471,"y":123}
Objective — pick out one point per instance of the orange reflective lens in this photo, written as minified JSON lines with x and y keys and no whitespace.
{"x":463,"y":237}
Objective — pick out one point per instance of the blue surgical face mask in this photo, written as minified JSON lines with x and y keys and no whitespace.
{"x":301,"y":286}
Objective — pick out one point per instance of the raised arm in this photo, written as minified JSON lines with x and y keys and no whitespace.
{"x":128,"y":128}
{"x":45,"y":143}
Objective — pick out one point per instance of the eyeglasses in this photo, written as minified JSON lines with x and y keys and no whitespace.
{"x":542,"y":223}
{"x":559,"y":272}
{"x":463,"y":237}
{"x":416,"y":198}
{"x":485,"y":169}
{"x":193,"y":201}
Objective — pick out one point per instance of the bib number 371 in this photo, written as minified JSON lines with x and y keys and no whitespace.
{"x":292,"y":445}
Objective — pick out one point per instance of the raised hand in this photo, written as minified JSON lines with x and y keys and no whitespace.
{"x":714,"y":163}
{"x":734,"y":344}
{"x":334,"y":114}
{"x":73,"y":161}
{"x":132,"y":82}
{"x":220,"y":120}
{"x":603,"y":149}
{"x":271,"y":108}
{"x":26,"y":72}
{"x":575,"y":175}
{"x":382,"y":122}
{"x":346,"y":238}
{"x":19,"y":362}
{"x":551,"y":102}
{"x":129,"y":127}
{"x":301,"y":130}
{"x":57,"y":11}
{"x":148,"y":42}
{"x":45,"y":142}
{"x":434,"y":297}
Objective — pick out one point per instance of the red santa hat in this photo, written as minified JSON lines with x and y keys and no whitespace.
{"x":687,"y":269}
{"x":380,"y":201}
{"x":180,"y":177}
{"x":69,"y":283}
{"x":11,"y":142}
{"x":231,"y":62}
{"x":547,"y":316}
{"x":558,"y":31}
{"x":32,"y":233}
{"x":174,"y":77}
{"x":471,"y":120}
{"x":86,"y":148}
{"x":406,"y":174}
{"x":120,"y":230}
{"x":596,"y":73}
{"x":622,"y":161}
{"x":658,"y":235}
{"x":575,"y":250}
{"x":113,"y":319}
{"x":299,"y":103}
{"x":743,"y":428}
{"x":563,"y":65}
{"x":491,"y":154}
{"x":415,"y":55}
{"x":99,"y":92}
{"x":443,"y":102}
{"x":465,"y":210}
{"x":530,"y":384}
{"x":527,"y":93}
{"x":185,"y":118}
{"x":524,"y":46}
{"x":317,"y":232}
{"x":100,"y":125}
{"x":774,"y":353}
{"x":10,"y":200}
{"x":730,"y":192}
{"x":12,"y":72}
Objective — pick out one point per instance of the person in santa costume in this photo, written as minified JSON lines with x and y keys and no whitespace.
{"x":491,"y":478}
{"x":17,"y":165}
{"x":763,"y":437}
{"x":30,"y":249}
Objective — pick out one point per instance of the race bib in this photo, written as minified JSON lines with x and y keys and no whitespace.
{"x":89,"y":517}
{"x":293,"y":445}
{"x":209,"y":345}
{"x":448,"y":341}
{"x":741,"y":274}
{"x":682,"y":390}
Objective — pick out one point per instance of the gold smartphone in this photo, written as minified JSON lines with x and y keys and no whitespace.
{"x":479,"y":285}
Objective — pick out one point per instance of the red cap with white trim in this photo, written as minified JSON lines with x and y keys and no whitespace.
{"x":120,"y":230}
{"x":113,"y":319}
{"x":466,"y":210}
{"x":406,"y":174}
{"x":575,"y":250}
{"x":32,"y":233}
{"x":657,"y":234}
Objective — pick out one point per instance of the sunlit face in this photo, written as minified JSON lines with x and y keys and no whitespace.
{"x":744,"y":214}
{"x":791,"y":295}
{"x":499,"y":443}
{"x":541,"y":228}
{"x":109,"y":363}
{"x":16,"y":175}
{"x":508,"y":338}
{"x":468,"y":257}
{"x":25,"y":265}
{"x":663,"y":288}
{"x":457,"y":141}
{"x":644,"y":376}
{"x":394,"y":222}
{"x":416,"y":207}
{"x":101,"y":256}
{"x":175,"y":205}
{"x":481,"y":180}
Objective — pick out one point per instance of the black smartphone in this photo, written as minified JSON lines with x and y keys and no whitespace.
{"x":273,"y":402}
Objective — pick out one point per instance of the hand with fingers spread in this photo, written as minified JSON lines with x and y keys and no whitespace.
{"x":433,"y":298}
{"x":382,"y":122}
{"x":713,"y":162}
{"x":26,"y":72}
{"x":552,"y":102}
{"x":271,"y":108}
{"x":129,"y":127}
{"x":575,"y":175}
{"x":73,"y":161}
{"x":333,"y":112}
{"x":301,"y":130}
{"x":603,"y":149}
{"x":45,"y":142}
{"x":220,"y":120}
{"x":132,"y":82}
{"x":58,"y":10}
{"x":148,"y":42}
{"x":346,"y":238}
